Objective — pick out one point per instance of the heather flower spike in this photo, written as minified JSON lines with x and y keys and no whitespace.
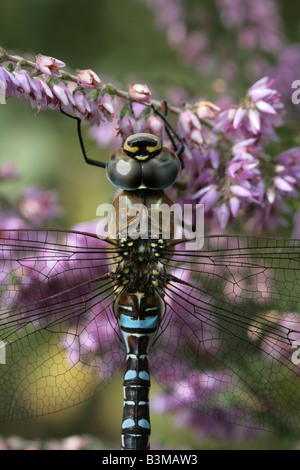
{"x":49,"y":65}
{"x":225,"y":165}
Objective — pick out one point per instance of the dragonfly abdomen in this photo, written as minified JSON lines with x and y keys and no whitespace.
{"x":139,"y":315}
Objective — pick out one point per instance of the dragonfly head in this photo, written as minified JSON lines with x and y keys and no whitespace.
{"x":142,"y":146}
{"x":143,"y":162}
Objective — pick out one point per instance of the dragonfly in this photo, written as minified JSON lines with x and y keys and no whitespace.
{"x":219,"y":327}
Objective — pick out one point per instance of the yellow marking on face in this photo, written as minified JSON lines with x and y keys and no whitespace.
{"x":153,"y":149}
{"x":130,"y":149}
{"x":142,"y":157}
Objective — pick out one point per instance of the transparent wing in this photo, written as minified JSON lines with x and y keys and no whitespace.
{"x":227,"y":344}
{"x":59,"y":337}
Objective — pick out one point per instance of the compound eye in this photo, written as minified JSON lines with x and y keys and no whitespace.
{"x":123,"y":172}
{"x":161,"y":171}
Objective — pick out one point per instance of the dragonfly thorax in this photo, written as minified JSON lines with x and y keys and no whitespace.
{"x":141,"y":270}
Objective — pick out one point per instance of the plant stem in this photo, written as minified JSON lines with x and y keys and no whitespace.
{"x":4,"y":56}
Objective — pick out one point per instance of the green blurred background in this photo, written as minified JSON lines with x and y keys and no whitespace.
{"x":119,"y":40}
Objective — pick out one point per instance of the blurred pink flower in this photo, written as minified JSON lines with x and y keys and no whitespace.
{"x":38,"y":206}
{"x":206,"y":110}
{"x":155,"y":126}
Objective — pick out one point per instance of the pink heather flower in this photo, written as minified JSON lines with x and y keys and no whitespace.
{"x":8,"y":172}
{"x":45,"y":89}
{"x":106,"y":134}
{"x":41,"y":95}
{"x":206,"y":110}
{"x":3,"y":82}
{"x":33,"y":89}
{"x":265,"y":98}
{"x":254,"y":121}
{"x":241,"y":191}
{"x":243,"y":169}
{"x":49,"y":65}
{"x":9,"y":84}
{"x":289,"y":161}
{"x":258,"y":113}
{"x":189,"y":128}
{"x":271,"y":195}
{"x":81,"y":103}
{"x":155,"y":126}
{"x":128,"y":126}
{"x":89,"y":79}
{"x":95,"y":116}
{"x":238,"y":117}
{"x":234,"y":204}
{"x":23,"y":80}
{"x":137,"y":108}
{"x":208,"y":196}
{"x":12,"y":221}
{"x":63,"y":94}
{"x":35,"y":93}
{"x":223,"y":214}
{"x":140,"y":93}
{"x":244,"y":146}
{"x":282,"y":184}
{"x":214,"y":157}
{"x":37,"y":205}
{"x":107,"y":106}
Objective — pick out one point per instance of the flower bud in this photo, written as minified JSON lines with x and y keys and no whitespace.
{"x":49,"y":65}
{"x":89,"y":79}
{"x":223,"y":215}
{"x":206,"y":110}
{"x":140,"y":93}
